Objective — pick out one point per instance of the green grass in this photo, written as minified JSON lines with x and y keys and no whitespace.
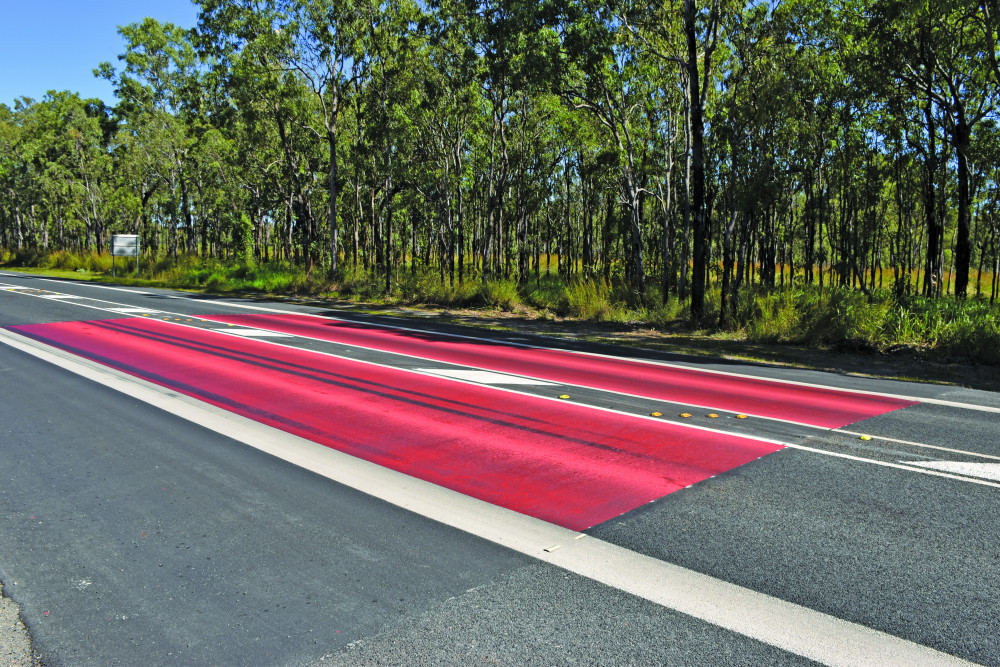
{"x":846,"y":319}
{"x":836,"y":318}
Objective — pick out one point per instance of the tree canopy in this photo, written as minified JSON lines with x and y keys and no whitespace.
{"x":668,"y":147}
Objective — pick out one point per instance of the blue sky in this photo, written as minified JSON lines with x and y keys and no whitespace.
{"x":55,"y":44}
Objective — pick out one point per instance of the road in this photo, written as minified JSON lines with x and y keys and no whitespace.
{"x":192,"y":480}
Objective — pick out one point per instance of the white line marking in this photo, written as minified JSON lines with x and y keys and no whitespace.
{"x":129,"y":311}
{"x":788,"y":626}
{"x":541,"y":381}
{"x":636,"y":416}
{"x":255,"y":333}
{"x":919,"y":444}
{"x":632,"y":415}
{"x":983,"y":470}
{"x":482,"y":377}
{"x":62,"y":296}
{"x":888,"y":464}
{"x":653,"y":362}
{"x":88,"y":284}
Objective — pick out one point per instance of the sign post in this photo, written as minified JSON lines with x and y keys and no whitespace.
{"x":124,"y":245}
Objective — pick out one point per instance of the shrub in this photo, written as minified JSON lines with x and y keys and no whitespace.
{"x":502,"y":294}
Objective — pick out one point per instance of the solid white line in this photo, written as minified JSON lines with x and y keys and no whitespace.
{"x":484,"y":377}
{"x":786,"y":625}
{"x":254,"y":333}
{"x":919,"y":444}
{"x":983,"y":470}
{"x":888,"y":464}
{"x":89,"y":284}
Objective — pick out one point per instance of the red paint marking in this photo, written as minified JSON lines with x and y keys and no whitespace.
{"x":766,"y":398}
{"x":560,"y":462}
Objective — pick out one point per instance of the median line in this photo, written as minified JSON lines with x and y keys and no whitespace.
{"x":788,"y":626}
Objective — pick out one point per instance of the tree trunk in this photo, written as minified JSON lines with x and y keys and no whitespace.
{"x":698,"y":164}
{"x":962,"y":244}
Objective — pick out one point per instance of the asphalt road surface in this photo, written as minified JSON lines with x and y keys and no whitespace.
{"x":200,"y":480}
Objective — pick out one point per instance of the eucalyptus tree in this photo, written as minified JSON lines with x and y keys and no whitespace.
{"x":753,"y":104}
{"x":387,"y":96}
{"x":685,"y":34}
{"x":516,"y":53}
{"x":321,"y":42}
{"x":937,"y":51}
{"x":64,"y":169}
{"x":159,"y":85}
{"x":445,"y":116}
{"x":10,"y":168}
{"x":608,"y":74}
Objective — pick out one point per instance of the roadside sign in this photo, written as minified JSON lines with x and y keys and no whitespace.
{"x":124,"y":245}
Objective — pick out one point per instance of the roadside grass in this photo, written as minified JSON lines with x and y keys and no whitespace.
{"x":833,"y":318}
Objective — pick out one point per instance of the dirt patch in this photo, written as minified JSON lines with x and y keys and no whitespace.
{"x":15,"y":643}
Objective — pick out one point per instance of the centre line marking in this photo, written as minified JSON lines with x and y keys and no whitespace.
{"x":983,"y":470}
{"x":483,"y":377}
{"x":788,"y":626}
{"x":851,"y":457}
{"x":814,"y":450}
{"x":254,"y":333}
{"x":345,"y":317}
{"x":918,"y":444}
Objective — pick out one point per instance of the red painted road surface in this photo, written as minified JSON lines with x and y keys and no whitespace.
{"x":564,"y":463}
{"x":765,"y":398}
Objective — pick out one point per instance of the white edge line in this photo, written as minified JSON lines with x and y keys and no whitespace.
{"x":345,"y":316}
{"x":782,"y":624}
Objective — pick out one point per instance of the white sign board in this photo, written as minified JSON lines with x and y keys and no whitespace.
{"x":125,"y":245}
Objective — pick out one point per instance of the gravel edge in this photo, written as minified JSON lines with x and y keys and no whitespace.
{"x":15,"y":642}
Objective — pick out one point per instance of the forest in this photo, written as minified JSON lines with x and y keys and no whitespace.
{"x":694,"y":150}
